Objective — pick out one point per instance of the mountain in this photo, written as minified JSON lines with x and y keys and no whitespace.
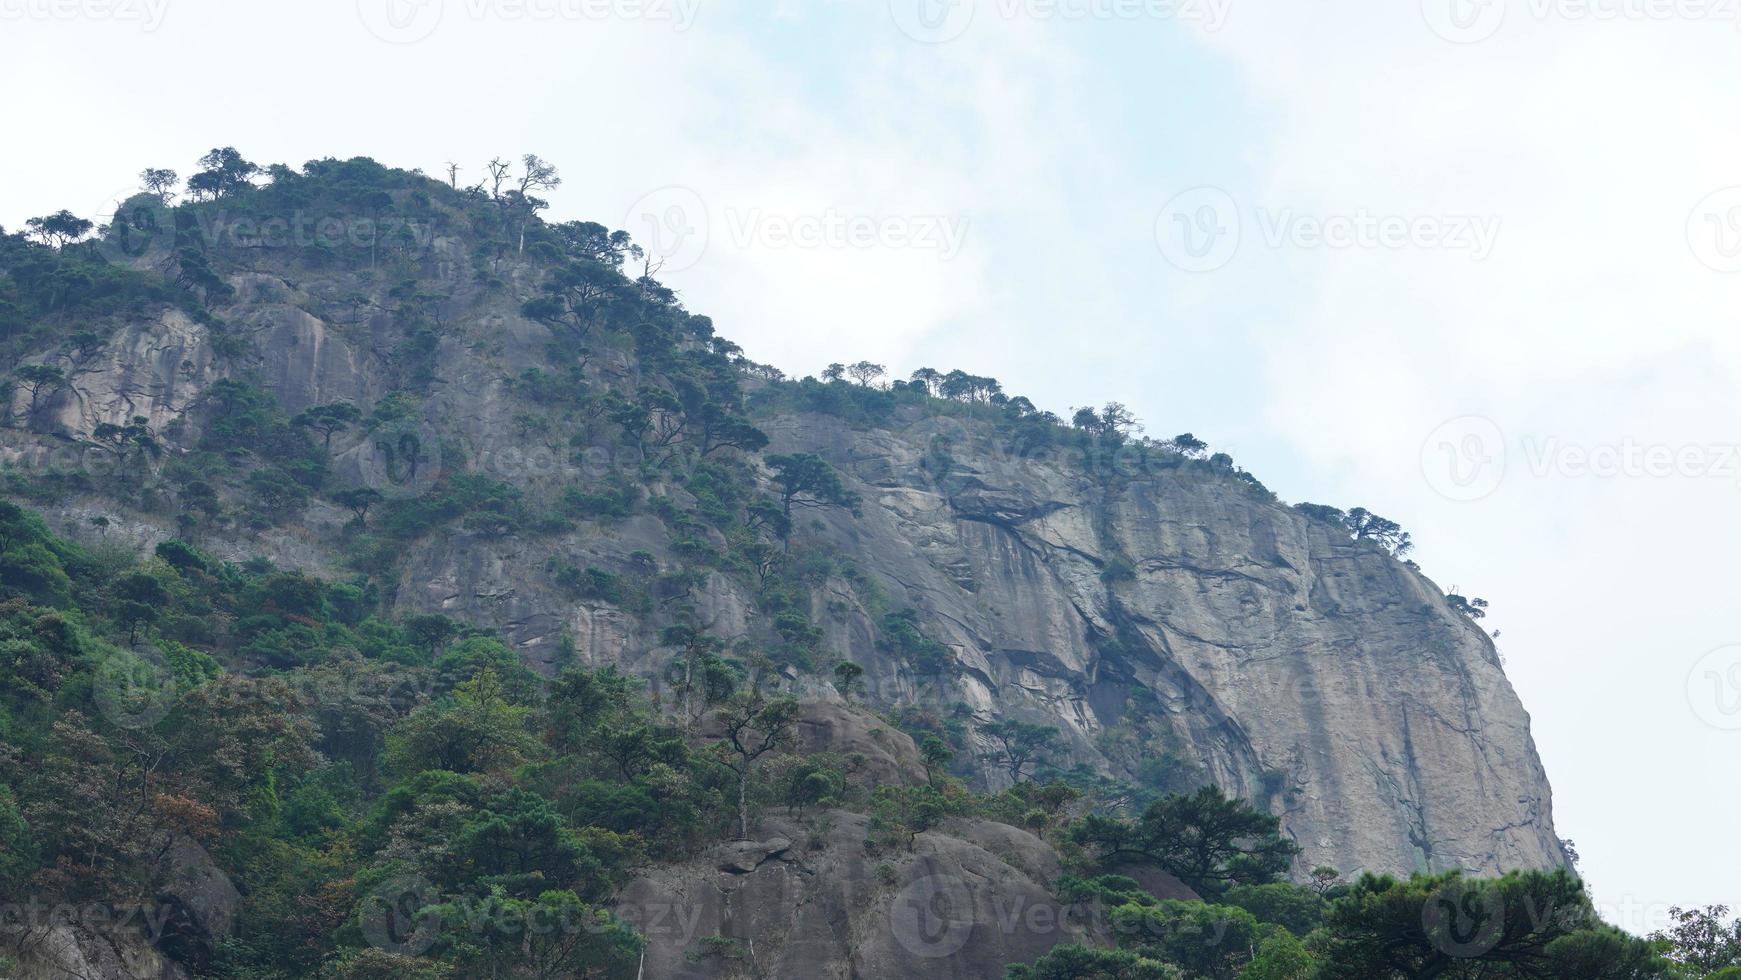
{"x":457,"y":409}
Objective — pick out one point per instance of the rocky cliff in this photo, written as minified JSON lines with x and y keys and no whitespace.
{"x":1174,"y":622}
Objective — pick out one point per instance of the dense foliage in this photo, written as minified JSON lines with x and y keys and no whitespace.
{"x":397,"y":795}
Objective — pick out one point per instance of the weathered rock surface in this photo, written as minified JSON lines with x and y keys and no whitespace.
{"x":1311,"y":673}
{"x":69,"y":952}
{"x":806,"y":900}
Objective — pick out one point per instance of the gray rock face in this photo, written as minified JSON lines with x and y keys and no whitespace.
{"x":69,"y":952}
{"x":1298,"y":665}
{"x":198,"y":902}
{"x":1174,"y":618}
{"x":806,"y":901}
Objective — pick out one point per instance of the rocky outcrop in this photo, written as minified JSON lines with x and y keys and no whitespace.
{"x":79,"y":952}
{"x":1300,"y":667}
{"x":1172,"y":616}
{"x":197,"y":904}
{"x":195,"y":909}
{"x":806,"y":900}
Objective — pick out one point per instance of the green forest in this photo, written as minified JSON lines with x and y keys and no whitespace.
{"x":389,"y":793}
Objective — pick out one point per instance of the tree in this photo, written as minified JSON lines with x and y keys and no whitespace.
{"x":1186,"y":444}
{"x":1700,"y":940}
{"x":139,"y":599}
{"x":1018,"y":745}
{"x":834,"y":372}
{"x":720,"y":429}
{"x":328,"y":420}
{"x":38,"y":378}
{"x":807,"y":480}
{"x":1472,"y":608}
{"x":358,"y":501}
{"x":698,"y":651}
{"x":864,"y":372}
{"x":477,"y":730}
{"x":927,"y":380}
{"x":1205,"y":839}
{"x":123,"y":439}
{"x":1324,"y":878}
{"x":907,"y":811}
{"x":1296,"y":909}
{"x":431,"y":630}
{"x":753,"y":725}
{"x":1450,"y":926}
{"x":846,"y":674}
{"x":958,"y":385}
{"x":935,"y":754}
{"x":159,"y":182}
{"x":594,"y":242}
{"x":1077,"y":962}
{"x":1212,"y":942}
{"x":538,"y":175}
{"x":60,"y":228}
{"x":575,"y":296}
{"x":551,"y":936}
{"x":1367,"y":526}
{"x":1280,"y":956}
{"x":1116,"y":418}
{"x":226,"y":172}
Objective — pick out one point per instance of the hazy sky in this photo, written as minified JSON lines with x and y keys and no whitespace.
{"x":1475,"y":265}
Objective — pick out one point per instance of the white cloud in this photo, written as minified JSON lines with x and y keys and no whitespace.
{"x":1593,"y":323}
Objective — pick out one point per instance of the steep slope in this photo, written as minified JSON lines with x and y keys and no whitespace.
{"x":1166,"y":614}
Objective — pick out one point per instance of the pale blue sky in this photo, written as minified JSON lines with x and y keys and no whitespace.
{"x":1600,"y":316}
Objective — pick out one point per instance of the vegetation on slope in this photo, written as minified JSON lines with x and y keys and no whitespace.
{"x":398,"y":795}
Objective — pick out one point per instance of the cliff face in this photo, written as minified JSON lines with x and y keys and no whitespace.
{"x":1291,"y":662}
{"x":1174,"y":624}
